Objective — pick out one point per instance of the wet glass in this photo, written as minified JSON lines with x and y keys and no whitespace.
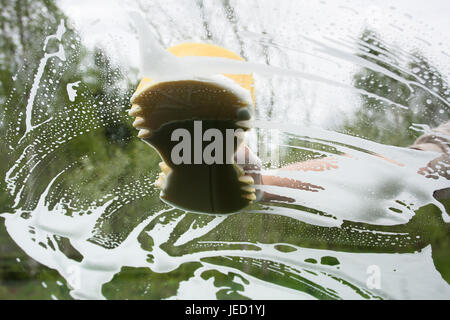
{"x":355,"y":176}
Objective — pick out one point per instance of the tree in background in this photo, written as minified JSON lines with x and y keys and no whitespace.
{"x":384,"y":122}
{"x":24,"y":27}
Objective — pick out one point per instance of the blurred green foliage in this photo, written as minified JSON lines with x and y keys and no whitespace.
{"x":24,"y":26}
{"x":115,"y":159}
{"x":413,"y":92}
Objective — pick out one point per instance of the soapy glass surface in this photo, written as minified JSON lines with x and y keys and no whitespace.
{"x":82,"y":218}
